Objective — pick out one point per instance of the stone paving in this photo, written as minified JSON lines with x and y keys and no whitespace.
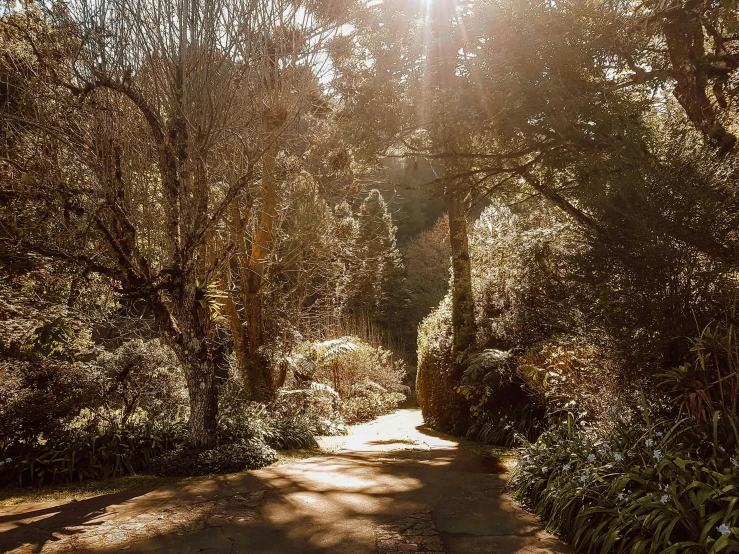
{"x":416,"y":533}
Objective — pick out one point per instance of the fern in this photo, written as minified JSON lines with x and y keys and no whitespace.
{"x":320,"y":353}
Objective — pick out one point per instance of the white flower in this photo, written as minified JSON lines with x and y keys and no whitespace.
{"x":591,"y":457}
{"x":664,"y":499}
{"x":583,"y":478}
{"x":618,"y":457}
{"x":658,"y":433}
{"x":131,"y":437}
{"x":541,"y":448}
{"x":566,"y":467}
{"x":621,"y":496}
{"x":657,"y":454}
{"x":2,"y":463}
{"x":507,"y":427}
{"x":734,"y":462}
{"x":544,"y":469}
{"x":8,"y":460}
{"x":724,"y":530}
{"x":649,"y":442}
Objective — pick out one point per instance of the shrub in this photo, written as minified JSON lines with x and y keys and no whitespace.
{"x":522,"y":275}
{"x":567,"y":374}
{"x":666,"y":487}
{"x":278,"y":425}
{"x":368,"y":401}
{"x":708,"y":381}
{"x":40,"y":397}
{"x":317,"y":404}
{"x":489,"y":382}
{"x":427,"y":270}
{"x":87,"y":453}
{"x":346,"y":362}
{"x":226,"y":458}
{"x":442,"y":406}
{"x":144,"y":377}
{"x":503,"y":426}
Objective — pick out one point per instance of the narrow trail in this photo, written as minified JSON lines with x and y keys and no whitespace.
{"x":390,"y":486}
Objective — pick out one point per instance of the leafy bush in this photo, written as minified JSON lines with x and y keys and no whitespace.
{"x":346,"y":362}
{"x":708,"y":381}
{"x":567,"y":374}
{"x":83,"y":454}
{"x":442,"y":406}
{"x":41,"y":397}
{"x":665,"y":487}
{"x":504,"y":426}
{"x":143,"y":377}
{"x":226,"y":458}
{"x":316,"y":404}
{"x":240,"y":420}
{"x":344,"y":379}
{"x":522,"y":275}
{"x":368,"y":401}
{"x":489,"y":382}
{"x":427,"y":271}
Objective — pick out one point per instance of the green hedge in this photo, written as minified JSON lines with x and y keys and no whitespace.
{"x":442,"y":406}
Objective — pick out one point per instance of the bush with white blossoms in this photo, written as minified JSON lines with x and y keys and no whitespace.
{"x":643,"y":488}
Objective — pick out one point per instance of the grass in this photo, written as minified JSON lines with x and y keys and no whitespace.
{"x":296,"y":454}
{"x":87,"y":489}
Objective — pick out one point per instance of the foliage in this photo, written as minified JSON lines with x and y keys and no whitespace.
{"x":280,"y":425}
{"x":522,"y":275}
{"x":344,"y":379}
{"x":369,"y":400}
{"x":488,"y":381}
{"x":143,"y":378}
{"x":507,"y":425}
{"x":442,"y":407}
{"x":708,"y":382}
{"x":377,"y":287}
{"x":226,"y":458}
{"x":41,"y":397}
{"x":567,"y":374}
{"x":87,"y":453}
{"x":427,"y":273}
{"x":661,"y":487}
{"x":50,"y":337}
{"x":347,"y":362}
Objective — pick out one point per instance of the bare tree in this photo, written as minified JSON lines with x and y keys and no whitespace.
{"x":157,"y":123}
{"x":286,"y":48}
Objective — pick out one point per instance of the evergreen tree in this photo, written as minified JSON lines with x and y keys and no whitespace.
{"x":376,"y":269}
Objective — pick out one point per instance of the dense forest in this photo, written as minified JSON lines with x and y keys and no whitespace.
{"x":229,"y":226}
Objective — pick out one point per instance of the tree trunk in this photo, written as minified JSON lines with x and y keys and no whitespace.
{"x":686,"y":47}
{"x":257,"y":370}
{"x":185,"y":331}
{"x":463,"y":307}
{"x":256,"y":367}
{"x":200,"y":377}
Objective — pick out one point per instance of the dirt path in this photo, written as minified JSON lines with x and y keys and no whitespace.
{"x":390,"y":486}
